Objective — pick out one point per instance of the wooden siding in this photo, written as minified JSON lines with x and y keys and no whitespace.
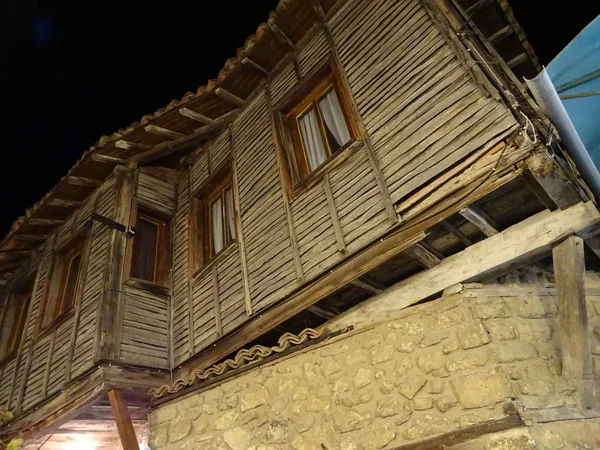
{"x":418,"y":102}
{"x":268,"y":246}
{"x":44,"y":364}
{"x":145,"y":326}
{"x":156,"y":194}
{"x":181,"y":273}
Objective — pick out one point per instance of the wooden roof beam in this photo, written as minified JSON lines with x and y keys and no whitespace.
{"x":167,"y":148}
{"x":107,"y":159}
{"x":30,"y":237}
{"x":478,"y":218}
{"x":164,"y":132}
{"x":17,"y":253}
{"x":61,"y":203}
{"x":321,"y":312}
{"x":281,"y":36}
{"x":186,"y":112}
{"x":522,"y":57}
{"x":426,"y":256}
{"x":501,"y":34}
{"x":229,"y":97}
{"x":128,"y":145}
{"x":318,"y":9}
{"x":255,"y":65}
{"x":85,"y":182}
{"x":45,"y":222}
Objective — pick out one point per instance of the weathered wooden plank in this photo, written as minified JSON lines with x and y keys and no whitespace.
{"x":160,"y":131}
{"x":522,"y":243}
{"x":423,"y":255}
{"x":569,"y":269}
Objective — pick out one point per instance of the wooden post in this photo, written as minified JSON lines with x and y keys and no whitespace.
{"x":118,"y":404}
{"x":111,"y":305}
{"x":569,"y":269}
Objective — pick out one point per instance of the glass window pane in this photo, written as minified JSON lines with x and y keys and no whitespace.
{"x":229,"y":215}
{"x":72,"y":276}
{"x":216,"y":213}
{"x":145,"y":245}
{"x":312,"y":141}
{"x":336,"y":128}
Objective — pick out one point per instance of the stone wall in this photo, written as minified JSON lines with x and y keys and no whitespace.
{"x":436,"y":368}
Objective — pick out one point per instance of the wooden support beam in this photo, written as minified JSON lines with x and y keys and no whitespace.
{"x":478,"y":218}
{"x":318,"y":9}
{"x":45,"y":222}
{"x":86,"y":182}
{"x":107,"y":159}
{"x":160,"y":131}
{"x":478,"y":6}
{"x":523,"y":243}
{"x":569,"y":269}
{"x":366,"y":286}
{"x":61,"y":203}
{"x":128,"y":145}
{"x":537,"y":189}
{"x":501,"y":34}
{"x":281,"y":36}
{"x":424,"y":255}
{"x":118,"y":404}
{"x":186,"y":112}
{"x":228,"y":96}
{"x":30,"y":237}
{"x":166,"y":148}
{"x":456,"y":232}
{"x":256,"y":66}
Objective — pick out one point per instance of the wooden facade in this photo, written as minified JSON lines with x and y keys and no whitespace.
{"x":436,"y":131}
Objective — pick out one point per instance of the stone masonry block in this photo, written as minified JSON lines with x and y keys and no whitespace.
{"x":472,"y":335}
{"x":484,"y":389}
{"x":501,"y":330}
{"x":492,"y":309}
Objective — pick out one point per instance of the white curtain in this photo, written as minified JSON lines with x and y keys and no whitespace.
{"x":229,"y":215}
{"x":334,"y":118}
{"x":217,"y":226}
{"x":311,"y":137}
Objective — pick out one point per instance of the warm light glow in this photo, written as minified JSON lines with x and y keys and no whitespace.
{"x":81,"y":444}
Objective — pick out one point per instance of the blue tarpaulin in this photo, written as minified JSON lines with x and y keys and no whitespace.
{"x":575,"y":73}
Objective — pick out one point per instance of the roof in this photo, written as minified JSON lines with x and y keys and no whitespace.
{"x":197,"y":116}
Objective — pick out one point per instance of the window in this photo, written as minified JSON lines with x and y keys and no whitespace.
{"x":150,"y":253}
{"x":318,"y":125}
{"x":65,"y":282}
{"x":215,"y":219}
{"x":13,"y":321}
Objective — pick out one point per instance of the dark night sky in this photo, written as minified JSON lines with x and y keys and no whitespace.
{"x":72,"y":71}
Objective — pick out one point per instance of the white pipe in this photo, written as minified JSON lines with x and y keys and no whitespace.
{"x":545,"y":94}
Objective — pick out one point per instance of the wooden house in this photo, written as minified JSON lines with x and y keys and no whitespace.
{"x":349,"y":145}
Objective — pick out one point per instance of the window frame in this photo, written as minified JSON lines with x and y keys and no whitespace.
{"x":162,"y":263}
{"x":215,"y":187}
{"x":9,"y":347}
{"x":56,"y":288}
{"x":299,"y":100}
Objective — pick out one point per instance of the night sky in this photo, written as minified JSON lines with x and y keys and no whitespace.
{"x":71,"y":72}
